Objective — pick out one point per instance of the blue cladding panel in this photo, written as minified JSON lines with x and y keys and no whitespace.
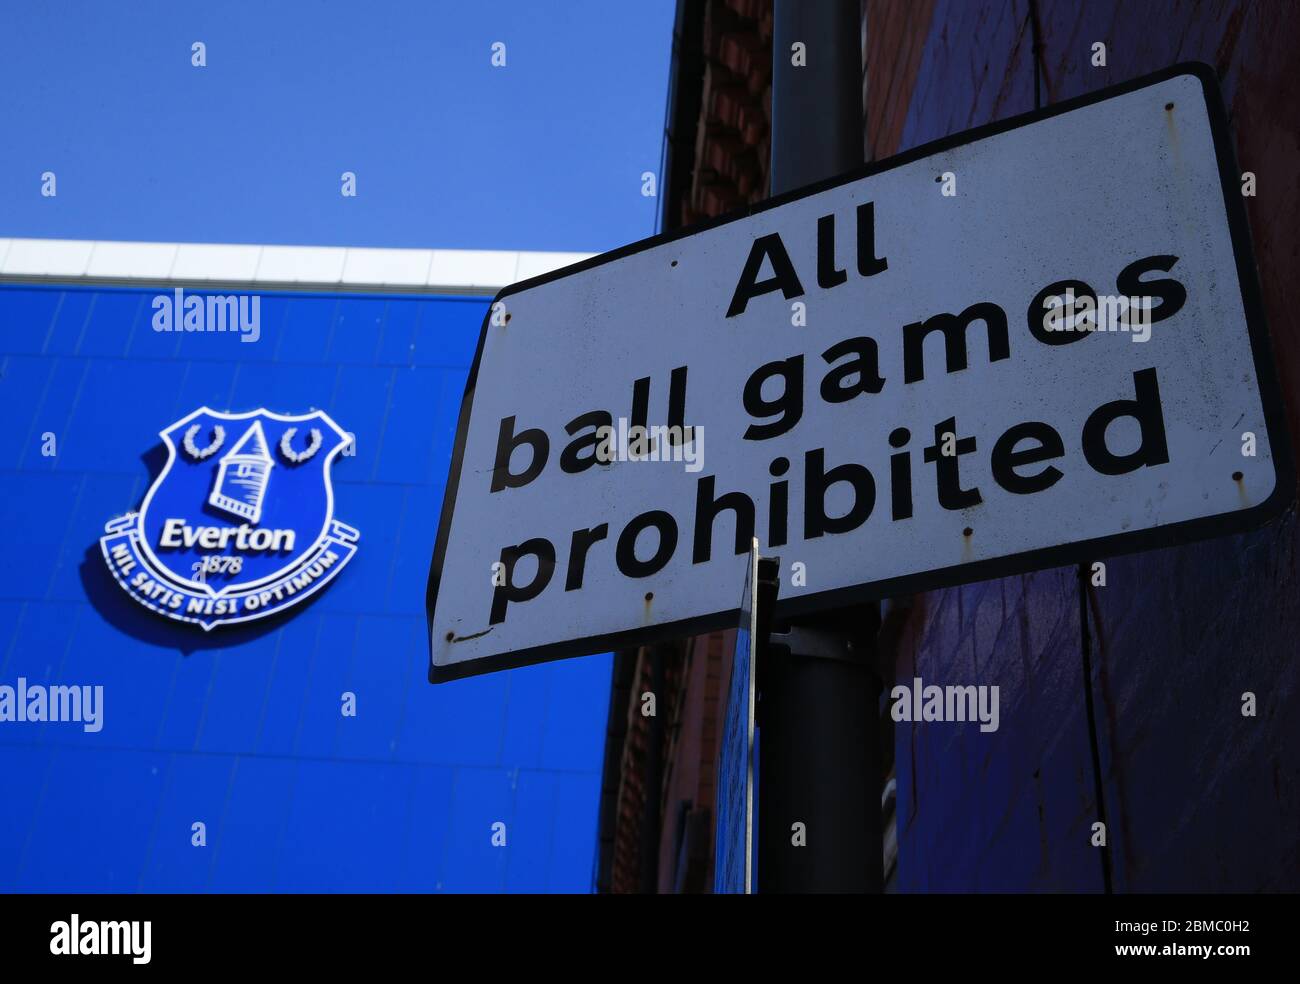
{"x":240,"y":729}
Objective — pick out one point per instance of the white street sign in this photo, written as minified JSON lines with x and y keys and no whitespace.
{"x":894,"y":381}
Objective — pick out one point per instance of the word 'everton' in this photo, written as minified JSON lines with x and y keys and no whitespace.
{"x":176,"y":533}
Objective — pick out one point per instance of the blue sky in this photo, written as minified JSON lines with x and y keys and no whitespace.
{"x":450,"y":152}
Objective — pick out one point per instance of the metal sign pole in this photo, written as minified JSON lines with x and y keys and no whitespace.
{"x":737,"y":781}
{"x":819,"y":802}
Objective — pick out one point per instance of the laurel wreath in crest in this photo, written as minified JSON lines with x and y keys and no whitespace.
{"x":197,"y":453}
{"x":296,"y":457}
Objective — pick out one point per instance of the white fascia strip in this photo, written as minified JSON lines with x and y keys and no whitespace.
{"x":425,"y":271}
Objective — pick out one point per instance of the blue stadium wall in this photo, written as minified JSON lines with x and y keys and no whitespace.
{"x":241,"y":728}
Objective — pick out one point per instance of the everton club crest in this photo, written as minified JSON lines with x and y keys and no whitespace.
{"x":240,"y":523}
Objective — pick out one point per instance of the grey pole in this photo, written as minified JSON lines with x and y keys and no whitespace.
{"x":819,"y":747}
{"x":816,"y":108}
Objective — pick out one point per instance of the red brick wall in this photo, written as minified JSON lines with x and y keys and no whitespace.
{"x":895,"y":38}
{"x":1196,"y":795}
{"x":691,"y":773}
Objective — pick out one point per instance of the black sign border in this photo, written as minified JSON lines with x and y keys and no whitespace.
{"x":1113,"y":545}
